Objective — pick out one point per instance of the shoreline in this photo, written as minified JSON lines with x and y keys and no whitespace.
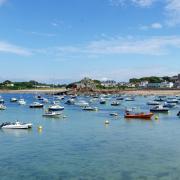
{"x":143,"y":92}
{"x":33,"y":91}
{"x":129,"y":92}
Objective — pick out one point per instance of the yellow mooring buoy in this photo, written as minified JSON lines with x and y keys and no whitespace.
{"x":106,"y":122}
{"x":39,"y":128}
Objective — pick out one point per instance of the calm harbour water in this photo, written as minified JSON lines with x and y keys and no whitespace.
{"x":82,"y":147}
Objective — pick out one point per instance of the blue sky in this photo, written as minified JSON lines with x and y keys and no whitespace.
{"x":65,"y":40}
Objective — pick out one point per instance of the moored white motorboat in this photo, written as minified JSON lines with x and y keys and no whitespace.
{"x":2,"y":107}
{"x":102,"y":101}
{"x":89,"y":108}
{"x":45,"y":100}
{"x":82,"y":103}
{"x":160,"y":98}
{"x":39,"y":97}
{"x":129,"y":99}
{"x":154,"y":103}
{"x":172,"y":100}
{"x":36,"y":105}
{"x":16,"y":125}
{"x":13,"y":99}
{"x":21,"y":102}
{"x":119,"y":98}
{"x":169,"y":105}
{"x":105,"y":96}
{"x":95,"y":96}
{"x":51,"y":114}
{"x":115,"y":103}
{"x":159,"y":109}
{"x":113,"y":114}
{"x":178,"y":114}
{"x":55,"y":107}
{"x":70,"y":101}
{"x":1,"y":100}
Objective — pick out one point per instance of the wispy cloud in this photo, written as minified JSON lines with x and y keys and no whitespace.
{"x":155,"y":25}
{"x":60,"y":24}
{"x":173,"y":12}
{"x":2,"y":2}
{"x":170,"y":7}
{"x":141,"y":3}
{"x":57,"y":23}
{"x":44,"y":34}
{"x":6,"y":47}
{"x":117,"y":2}
{"x":116,"y":47}
{"x":146,"y":46}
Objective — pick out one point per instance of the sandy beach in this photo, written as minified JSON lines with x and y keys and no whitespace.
{"x":143,"y":92}
{"x":130,"y":92}
{"x":58,"y":90}
{"x":154,"y":92}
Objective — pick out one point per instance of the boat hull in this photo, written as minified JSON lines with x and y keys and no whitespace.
{"x":27,"y":126}
{"x":159,"y":110}
{"x":55,"y":109}
{"x":115,"y":104}
{"x":103,"y":102}
{"x":36,"y":106}
{"x":139,"y":116}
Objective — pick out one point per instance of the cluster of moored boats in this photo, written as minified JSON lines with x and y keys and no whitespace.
{"x":163,"y":104}
{"x":160,"y":104}
{"x":53,"y":110}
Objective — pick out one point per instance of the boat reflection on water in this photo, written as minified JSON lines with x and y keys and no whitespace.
{"x":16,"y":132}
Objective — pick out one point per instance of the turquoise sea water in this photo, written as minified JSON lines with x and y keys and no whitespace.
{"x":82,"y":147}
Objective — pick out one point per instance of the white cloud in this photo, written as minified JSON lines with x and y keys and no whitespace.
{"x":173,"y":12}
{"x":170,"y":7}
{"x":54,"y":24}
{"x":156,"y":25}
{"x":149,"y":46}
{"x":2,"y":2}
{"x":59,"y":23}
{"x":141,"y":3}
{"x":116,"y":47}
{"x":117,"y":2}
{"x":42,"y":34}
{"x":13,"y":49}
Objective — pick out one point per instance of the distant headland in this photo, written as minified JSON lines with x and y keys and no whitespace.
{"x":144,"y":85}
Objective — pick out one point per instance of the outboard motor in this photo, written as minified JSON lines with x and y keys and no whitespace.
{"x":178,"y":114}
{"x":1,"y":125}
